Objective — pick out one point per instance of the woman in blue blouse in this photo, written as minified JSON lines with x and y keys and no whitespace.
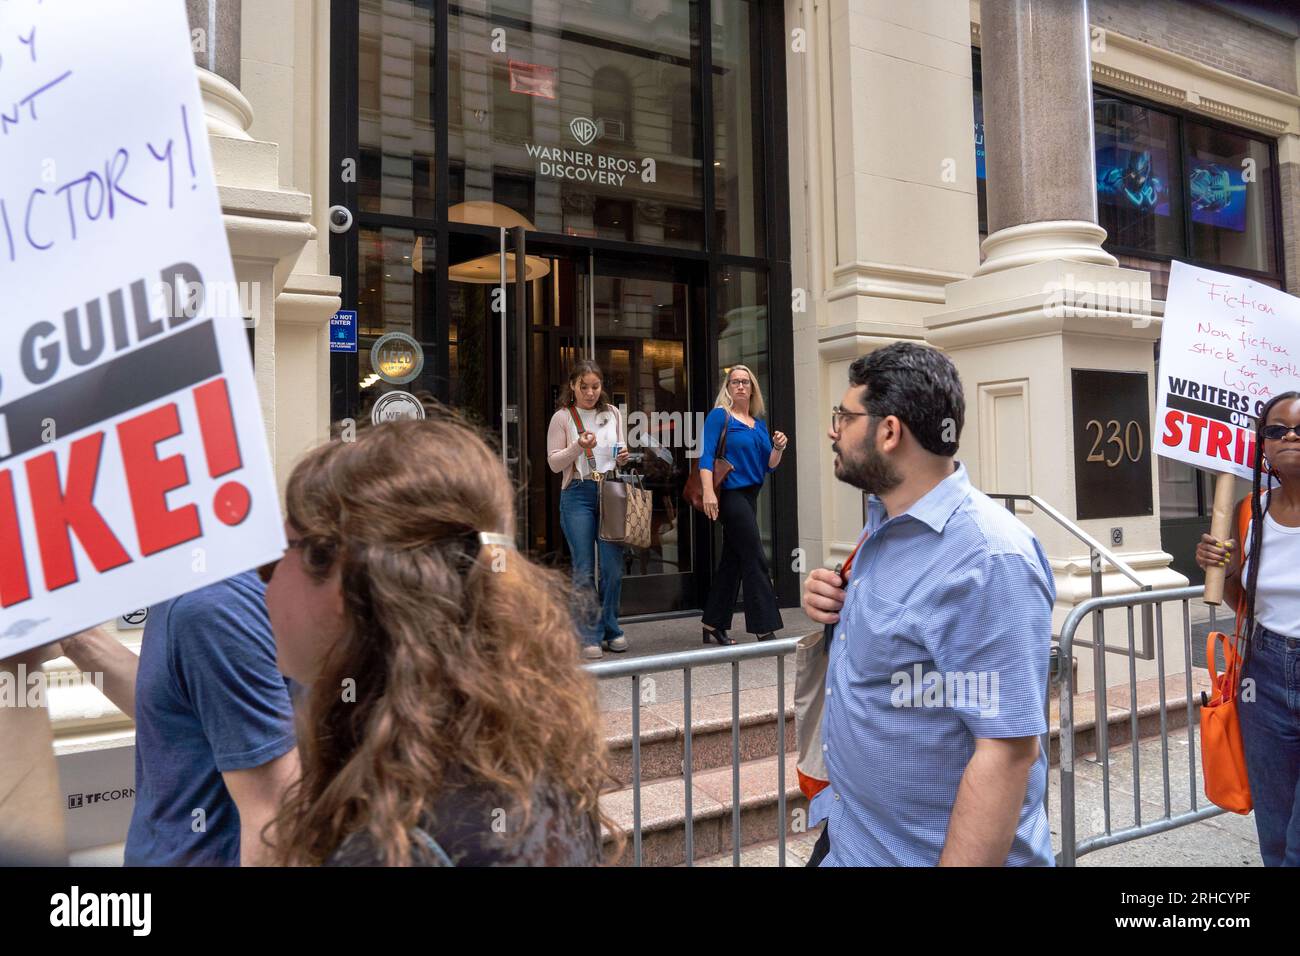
{"x":752,"y":454}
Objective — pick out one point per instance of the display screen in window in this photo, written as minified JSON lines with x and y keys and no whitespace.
{"x":1218,"y":194}
{"x":1139,"y":182}
{"x":1229,"y":189}
{"x":1135,"y":177}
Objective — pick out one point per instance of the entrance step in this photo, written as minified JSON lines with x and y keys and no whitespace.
{"x":663,"y":734}
{"x":1119,"y":724}
{"x":798,"y":850}
{"x":663,"y":814}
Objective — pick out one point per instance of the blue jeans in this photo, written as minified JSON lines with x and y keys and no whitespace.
{"x":1270,"y":731}
{"x":580,"y":519}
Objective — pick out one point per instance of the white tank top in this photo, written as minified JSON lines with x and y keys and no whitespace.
{"x":606,"y":426}
{"x":1277,"y":594}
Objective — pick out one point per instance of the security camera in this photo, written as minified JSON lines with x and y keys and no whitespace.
{"x":340,"y":219}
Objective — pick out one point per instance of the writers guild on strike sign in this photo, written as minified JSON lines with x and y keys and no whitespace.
{"x":133,"y":459}
{"x":63,"y":505}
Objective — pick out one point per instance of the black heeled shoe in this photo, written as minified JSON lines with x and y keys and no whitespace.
{"x":714,"y":636}
{"x":769,"y":636}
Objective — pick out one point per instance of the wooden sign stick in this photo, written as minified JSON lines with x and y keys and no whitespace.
{"x":1220,"y":530}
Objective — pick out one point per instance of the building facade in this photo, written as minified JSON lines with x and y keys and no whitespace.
{"x":525,"y":182}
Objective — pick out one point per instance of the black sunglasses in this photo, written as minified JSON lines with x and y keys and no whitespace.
{"x":266,"y":571}
{"x":1278,"y":432}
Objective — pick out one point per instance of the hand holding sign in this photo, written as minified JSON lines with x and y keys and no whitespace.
{"x":1228,"y":345}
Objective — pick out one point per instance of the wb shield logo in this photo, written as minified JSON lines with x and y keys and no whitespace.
{"x":583,"y":130}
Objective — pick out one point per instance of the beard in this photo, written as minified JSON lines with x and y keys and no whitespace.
{"x":869,"y":470}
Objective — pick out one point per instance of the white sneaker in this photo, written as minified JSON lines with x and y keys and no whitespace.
{"x":618,"y":644}
{"x":592,"y":652}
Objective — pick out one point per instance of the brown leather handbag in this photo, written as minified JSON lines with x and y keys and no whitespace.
{"x":694,"y":490}
{"x":625,"y":503}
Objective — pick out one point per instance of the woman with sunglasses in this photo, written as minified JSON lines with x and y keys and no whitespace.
{"x":1263,"y":581}
{"x":445,"y":718}
{"x":752,"y":453}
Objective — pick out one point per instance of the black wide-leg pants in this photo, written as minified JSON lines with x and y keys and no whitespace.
{"x":743,"y":559}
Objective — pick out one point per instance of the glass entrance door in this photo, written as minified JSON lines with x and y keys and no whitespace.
{"x":511,"y":346}
{"x":635,"y":320}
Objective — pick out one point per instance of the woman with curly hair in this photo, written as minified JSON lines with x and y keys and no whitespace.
{"x":446,"y":719}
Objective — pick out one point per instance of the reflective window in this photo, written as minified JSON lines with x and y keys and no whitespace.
{"x":981,"y":192}
{"x":1139,"y":179}
{"x":397,"y":107}
{"x":570,"y":115}
{"x":737,"y":128}
{"x":1230,"y":189}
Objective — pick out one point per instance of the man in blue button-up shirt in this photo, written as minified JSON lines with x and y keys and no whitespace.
{"x":938,"y":663}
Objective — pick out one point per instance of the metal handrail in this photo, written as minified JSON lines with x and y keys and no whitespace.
{"x":1079,"y":533}
{"x":1096,"y":550}
{"x":686,"y":661}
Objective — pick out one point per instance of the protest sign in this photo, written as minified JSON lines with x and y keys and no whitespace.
{"x":1227,"y":346}
{"x":133,"y":460}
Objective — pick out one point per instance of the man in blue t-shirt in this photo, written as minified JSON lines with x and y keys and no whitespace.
{"x":214,"y":743}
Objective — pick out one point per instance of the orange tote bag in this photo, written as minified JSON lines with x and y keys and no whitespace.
{"x":1223,"y":756}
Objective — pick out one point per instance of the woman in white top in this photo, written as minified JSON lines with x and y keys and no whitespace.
{"x":1268,"y":593}
{"x":578,"y":453}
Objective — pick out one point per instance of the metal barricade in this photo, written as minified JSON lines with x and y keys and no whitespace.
{"x":1071,"y":846}
{"x":686,"y":662}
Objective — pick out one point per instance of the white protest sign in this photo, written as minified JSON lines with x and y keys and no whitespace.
{"x":133,"y":461}
{"x":1227,"y":346}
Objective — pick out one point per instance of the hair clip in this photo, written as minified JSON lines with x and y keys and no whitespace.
{"x":491,"y":539}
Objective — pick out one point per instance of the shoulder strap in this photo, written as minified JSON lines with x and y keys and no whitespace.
{"x":848,"y":562}
{"x":1243,"y":529}
{"x":577,"y":423}
{"x":721,"y":450}
{"x":432,"y":847}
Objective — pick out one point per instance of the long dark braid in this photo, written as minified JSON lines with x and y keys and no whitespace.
{"x":1257,"y":512}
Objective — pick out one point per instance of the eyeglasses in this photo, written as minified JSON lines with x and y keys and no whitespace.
{"x":740,"y":381}
{"x":266,"y":571}
{"x":838,"y":415}
{"x":1278,"y":432}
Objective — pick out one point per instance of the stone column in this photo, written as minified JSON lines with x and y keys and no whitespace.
{"x":1041,"y":177}
{"x":1048,"y":299}
{"x":215,"y":33}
